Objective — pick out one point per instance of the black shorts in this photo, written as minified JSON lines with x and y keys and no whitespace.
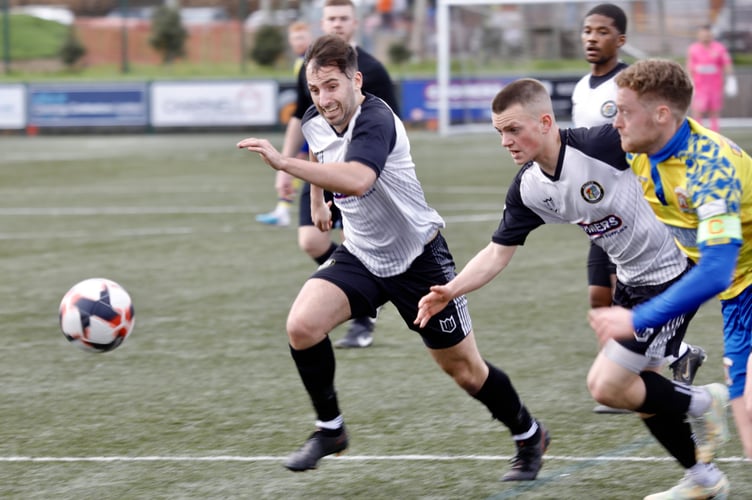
{"x":304,"y":210}
{"x":599,"y":267}
{"x":660,"y":342}
{"x":366,"y":292}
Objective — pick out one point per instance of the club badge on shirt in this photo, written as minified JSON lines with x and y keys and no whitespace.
{"x":592,"y":192}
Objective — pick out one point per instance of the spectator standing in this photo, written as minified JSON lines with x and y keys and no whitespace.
{"x":711,"y":69}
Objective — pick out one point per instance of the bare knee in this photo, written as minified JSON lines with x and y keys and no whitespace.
{"x":604,"y":389}
{"x":465,"y":380}
{"x":598,"y":390}
{"x":466,"y":375}
{"x":301,"y":333}
{"x":313,"y":242}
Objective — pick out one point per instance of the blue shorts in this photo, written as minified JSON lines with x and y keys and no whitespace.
{"x":737,"y":340}
{"x":366,"y":292}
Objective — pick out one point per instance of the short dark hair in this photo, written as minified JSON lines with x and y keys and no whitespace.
{"x":613,"y":12}
{"x":339,"y":3}
{"x":527,"y":92}
{"x":331,"y":50}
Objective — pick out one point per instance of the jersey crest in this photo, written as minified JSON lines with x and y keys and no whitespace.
{"x":682,"y":198}
{"x":591,"y":192}
{"x":608,"y":109}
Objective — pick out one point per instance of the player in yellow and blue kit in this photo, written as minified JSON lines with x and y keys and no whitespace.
{"x":699,"y":184}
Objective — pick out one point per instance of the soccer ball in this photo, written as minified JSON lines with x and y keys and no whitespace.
{"x":96,"y":315}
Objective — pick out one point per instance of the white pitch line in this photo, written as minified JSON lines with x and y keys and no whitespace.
{"x":136,"y":210}
{"x":353,"y":458}
{"x":123,"y":233}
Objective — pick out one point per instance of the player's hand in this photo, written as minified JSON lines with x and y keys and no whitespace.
{"x":431,"y":303}
{"x":266,"y":151}
{"x":611,"y":323}
{"x":321,"y":216}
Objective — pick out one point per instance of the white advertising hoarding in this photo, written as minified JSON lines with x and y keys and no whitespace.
{"x":193,"y":104}
{"x":12,"y":106}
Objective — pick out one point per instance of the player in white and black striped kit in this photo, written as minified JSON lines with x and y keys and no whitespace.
{"x":604,"y":32}
{"x":393,"y":251}
{"x":581,"y":176}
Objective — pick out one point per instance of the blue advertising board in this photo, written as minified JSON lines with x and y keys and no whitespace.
{"x":89,"y":104}
{"x":470,"y":98}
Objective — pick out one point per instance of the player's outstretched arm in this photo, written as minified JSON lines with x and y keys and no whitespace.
{"x":481,"y":269}
{"x":350,"y":178}
{"x":266,"y":151}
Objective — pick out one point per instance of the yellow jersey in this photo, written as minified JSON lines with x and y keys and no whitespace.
{"x":707,"y":175}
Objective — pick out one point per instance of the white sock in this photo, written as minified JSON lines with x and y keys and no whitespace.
{"x":700,"y":401}
{"x":332,"y":425}
{"x":704,"y":474}
{"x":527,"y":435}
{"x":282,"y":207}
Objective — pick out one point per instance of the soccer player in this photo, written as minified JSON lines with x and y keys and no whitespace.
{"x":299,"y":37}
{"x":339,"y":18}
{"x":604,"y":32}
{"x":393,"y":249}
{"x":580,"y":176}
{"x":699,"y":184}
{"x":708,"y":62}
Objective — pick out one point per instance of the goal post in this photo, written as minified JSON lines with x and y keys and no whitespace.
{"x":482,"y":45}
{"x":445,"y":91}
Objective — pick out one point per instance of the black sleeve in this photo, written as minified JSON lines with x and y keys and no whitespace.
{"x":374,"y":135}
{"x":602,"y":143}
{"x":304,"y":95}
{"x":517,"y":220}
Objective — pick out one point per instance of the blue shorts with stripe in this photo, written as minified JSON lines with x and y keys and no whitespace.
{"x":737,"y":340}
{"x":366,"y":291}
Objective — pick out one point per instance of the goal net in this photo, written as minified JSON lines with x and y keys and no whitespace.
{"x":484,"y":44}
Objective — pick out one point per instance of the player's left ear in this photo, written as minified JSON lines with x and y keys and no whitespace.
{"x":621,"y":40}
{"x":546,"y":121}
{"x":358,"y":80}
{"x":663,"y":114}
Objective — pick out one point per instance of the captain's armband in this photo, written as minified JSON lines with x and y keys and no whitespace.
{"x":719,"y":229}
